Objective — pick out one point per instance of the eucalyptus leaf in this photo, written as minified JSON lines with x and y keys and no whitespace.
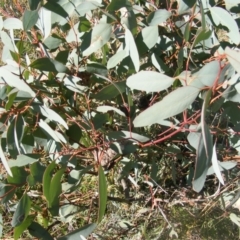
{"x":171,"y":105}
{"x":221,"y":16}
{"x":99,"y":36}
{"x":149,"y":81}
{"x":30,"y":18}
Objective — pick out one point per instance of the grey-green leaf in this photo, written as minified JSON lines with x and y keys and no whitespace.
{"x":221,"y":16}
{"x":29,"y":19}
{"x":171,"y":105}
{"x":105,"y":109}
{"x":83,"y":231}
{"x":131,"y":49}
{"x":149,"y":81}
{"x":234,"y":58}
{"x":158,"y":17}
{"x":100,"y":35}
{"x":203,"y":160}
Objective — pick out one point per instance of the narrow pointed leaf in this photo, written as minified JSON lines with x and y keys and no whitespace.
{"x":4,"y":161}
{"x":55,"y":191}
{"x":131,"y":49}
{"x":52,"y":115}
{"x":102,"y":189}
{"x":215,"y":165}
{"x":202,"y":161}
{"x":49,"y":65}
{"x":48,"y":130}
{"x":36,"y":230}
{"x":47,"y":176}
{"x":22,"y":210}
{"x":22,"y":227}
{"x":105,"y":109}
{"x":84,"y":231}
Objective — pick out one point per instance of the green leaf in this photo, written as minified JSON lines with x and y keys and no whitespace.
{"x":99,"y":36}
{"x":47,"y":176}
{"x":203,"y":159}
{"x":102,"y":189}
{"x":22,"y":227}
{"x":24,"y":159}
{"x":22,"y":210}
{"x":55,"y":191}
{"x":33,"y":4}
{"x":19,"y":176}
{"x":6,"y":192}
{"x":187,"y":32}
{"x":84,"y":24}
{"x":49,"y":65}
{"x":52,"y":42}
{"x":221,"y":16}
{"x":11,"y":98}
{"x":28,"y":143}
{"x":116,"y":5}
{"x":83,"y":231}
{"x":62,"y":56}
{"x":11,"y":142}
{"x":171,"y":105}
{"x":131,"y":49}
{"x":201,"y":35}
{"x":158,"y":17}
{"x":1,"y":225}
{"x":56,"y":8}
{"x":120,"y":135}
{"x":30,"y":18}
{"x":97,"y":68}
{"x":36,"y":173}
{"x":149,"y":81}
{"x":111,"y":91}
{"x":74,"y":133}
{"x":36,"y":230}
